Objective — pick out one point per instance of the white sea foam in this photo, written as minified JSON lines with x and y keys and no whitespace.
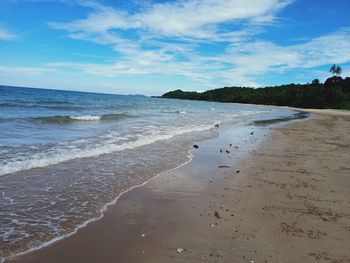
{"x":63,"y":119}
{"x":101,"y":213}
{"x":86,"y":118}
{"x":57,"y":155}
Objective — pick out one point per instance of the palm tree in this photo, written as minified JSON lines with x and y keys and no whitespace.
{"x":336,"y":70}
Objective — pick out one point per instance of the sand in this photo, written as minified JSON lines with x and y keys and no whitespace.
{"x":287,"y":201}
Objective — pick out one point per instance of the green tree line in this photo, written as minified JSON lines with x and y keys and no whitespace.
{"x":334,"y":93}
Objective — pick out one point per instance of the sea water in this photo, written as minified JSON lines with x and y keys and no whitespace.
{"x":64,"y":155}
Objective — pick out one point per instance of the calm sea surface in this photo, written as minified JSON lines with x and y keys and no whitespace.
{"x":65,"y":155}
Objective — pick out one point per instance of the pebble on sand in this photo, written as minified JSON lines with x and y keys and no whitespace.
{"x":180,"y":250}
{"x":195,"y":146}
{"x":216,"y":214}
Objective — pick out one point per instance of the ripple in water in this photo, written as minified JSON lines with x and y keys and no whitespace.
{"x":59,"y":198}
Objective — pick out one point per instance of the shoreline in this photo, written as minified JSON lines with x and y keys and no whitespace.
{"x":333,"y":112}
{"x":198,"y":174}
{"x":114,"y":202}
{"x":171,"y":164}
{"x":92,"y":220}
{"x":105,"y":207}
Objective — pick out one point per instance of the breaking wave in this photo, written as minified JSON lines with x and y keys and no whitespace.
{"x":67,"y":119}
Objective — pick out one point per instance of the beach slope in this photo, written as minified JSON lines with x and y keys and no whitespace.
{"x":287,"y":201}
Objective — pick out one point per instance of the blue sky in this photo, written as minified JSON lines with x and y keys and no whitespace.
{"x":150,"y":47}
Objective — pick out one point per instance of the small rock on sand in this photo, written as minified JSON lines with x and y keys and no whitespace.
{"x":180,"y":250}
{"x":195,"y":146}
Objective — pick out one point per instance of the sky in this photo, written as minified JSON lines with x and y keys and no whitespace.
{"x":153,"y":46}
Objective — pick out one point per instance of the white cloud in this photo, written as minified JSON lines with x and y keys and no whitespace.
{"x":196,"y":19}
{"x":256,"y":58}
{"x":238,"y":65}
{"x":24,"y":70}
{"x":328,"y":49}
{"x":167,"y":39}
{"x":6,"y":34}
{"x":97,"y":22}
{"x":152,"y":48}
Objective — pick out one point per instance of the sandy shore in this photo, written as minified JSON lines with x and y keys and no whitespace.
{"x":288,"y":201}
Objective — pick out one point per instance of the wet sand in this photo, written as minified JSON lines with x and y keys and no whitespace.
{"x":287,"y":201}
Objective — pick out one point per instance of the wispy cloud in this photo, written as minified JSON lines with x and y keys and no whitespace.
{"x":25,"y":70}
{"x":191,"y":19}
{"x":166,"y":38}
{"x":169,"y":39}
{"x":6,"y":34}
{"x":239,"y":64}
{"x":199,"y":18}
{"x":256,"y":58}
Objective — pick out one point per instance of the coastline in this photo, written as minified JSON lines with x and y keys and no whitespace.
{"x":333,"y":112}
{"x":216,"y":214}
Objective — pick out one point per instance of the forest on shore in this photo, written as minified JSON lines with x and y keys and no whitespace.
{"x":333,"y":93}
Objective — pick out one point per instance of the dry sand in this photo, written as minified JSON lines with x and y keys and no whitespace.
{"x":288,"y":201}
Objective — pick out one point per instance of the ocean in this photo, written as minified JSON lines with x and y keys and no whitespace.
{"x":65,"y":156}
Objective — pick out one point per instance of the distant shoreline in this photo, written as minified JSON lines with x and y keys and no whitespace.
{"x":334,"y":93}
{"x":334,"y":112}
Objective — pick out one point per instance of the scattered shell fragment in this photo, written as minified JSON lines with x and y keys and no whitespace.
{"x":180,"y":250}
{"x":216,"y":214}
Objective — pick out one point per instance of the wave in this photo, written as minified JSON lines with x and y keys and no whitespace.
{"x":58,"y":155}
{"x":52,"y":106}
{"x":55,"y":102}
{"x":67,"y":119}
{"x":8,"y":105}
{"x":101,"y":214}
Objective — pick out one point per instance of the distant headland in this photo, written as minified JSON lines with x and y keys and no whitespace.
{"x":333,"y":93}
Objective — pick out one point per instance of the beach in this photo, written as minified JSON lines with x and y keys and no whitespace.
{"x":285,"y":201}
